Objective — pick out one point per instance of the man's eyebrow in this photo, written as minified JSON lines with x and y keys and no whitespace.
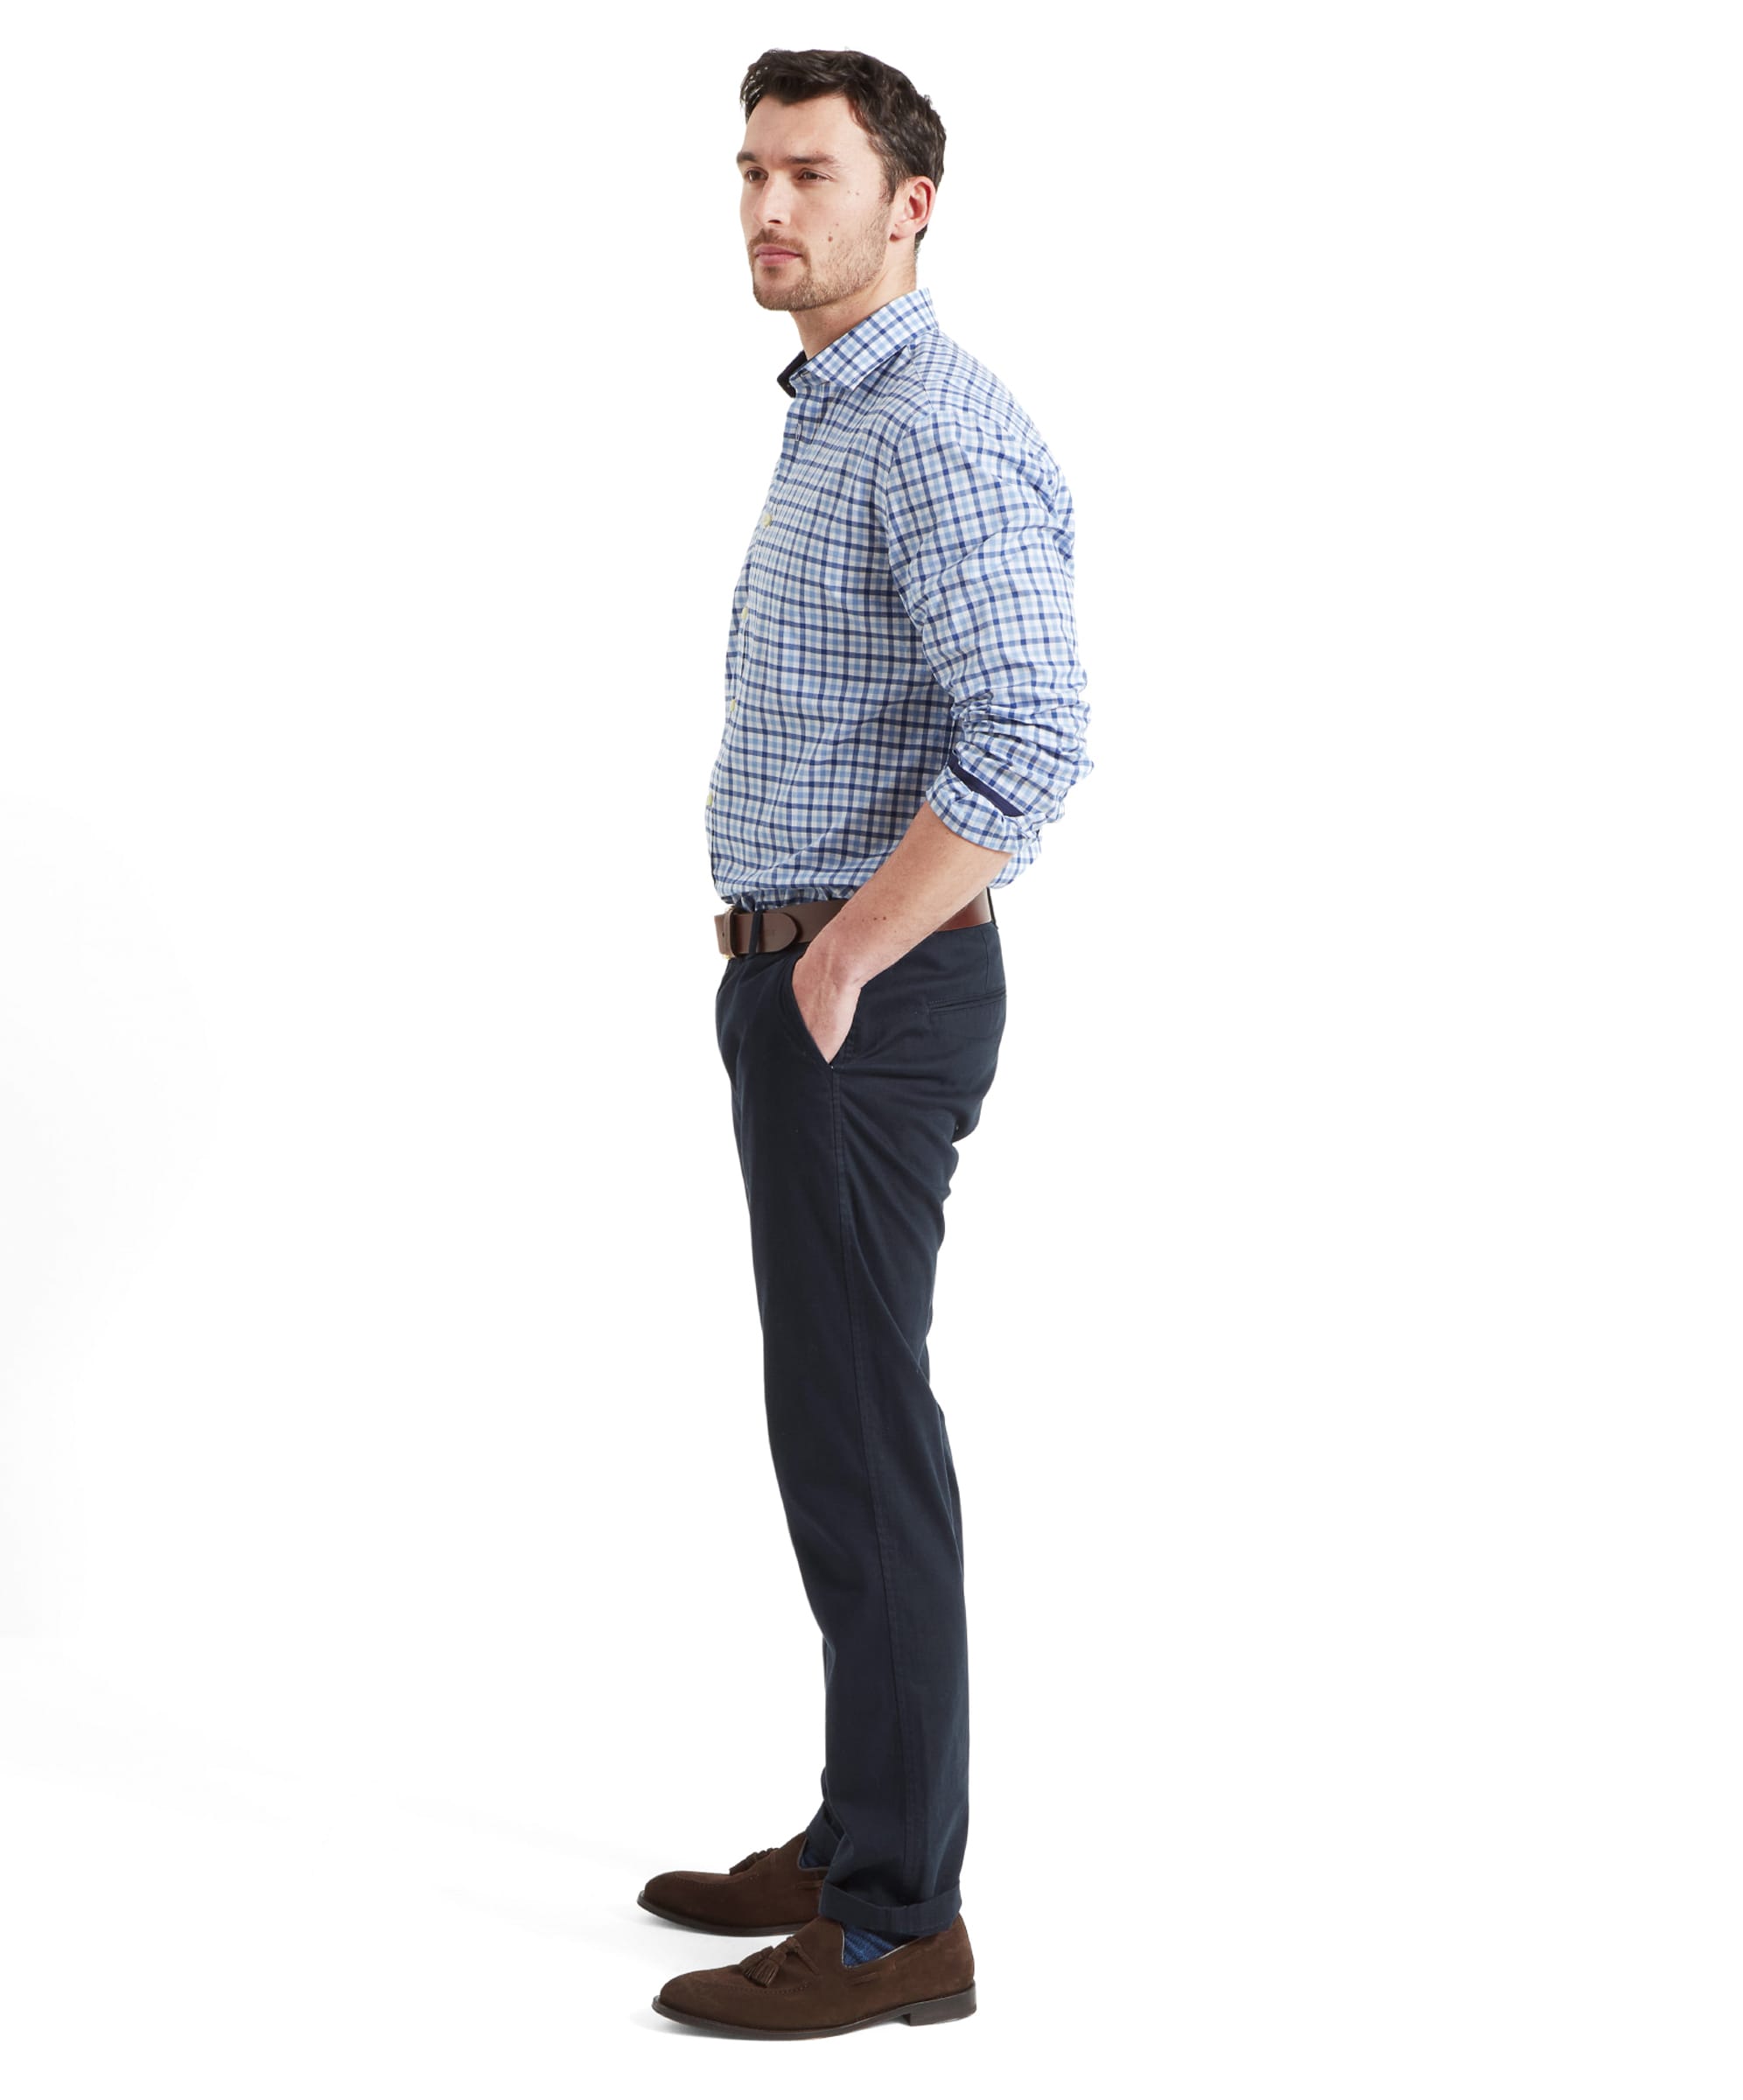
{"x":796,"y":160}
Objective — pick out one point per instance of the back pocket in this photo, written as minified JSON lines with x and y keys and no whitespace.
{"x":981,"y":1015}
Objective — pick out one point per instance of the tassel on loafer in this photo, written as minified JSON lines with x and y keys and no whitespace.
{"x":801,"y":1989}
{"x":768,"y":1891}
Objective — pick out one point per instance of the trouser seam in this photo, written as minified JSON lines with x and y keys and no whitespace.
{"x":849,"y":1242}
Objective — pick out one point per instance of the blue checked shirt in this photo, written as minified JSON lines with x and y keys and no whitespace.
{"x":902,"y":627}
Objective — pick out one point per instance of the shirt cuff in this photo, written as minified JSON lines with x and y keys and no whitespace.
{"x":975,"y":810}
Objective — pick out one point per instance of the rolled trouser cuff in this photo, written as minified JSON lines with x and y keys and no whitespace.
{"x":914,"y":1919}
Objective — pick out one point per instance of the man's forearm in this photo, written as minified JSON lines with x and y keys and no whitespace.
{"x":931,"y":875}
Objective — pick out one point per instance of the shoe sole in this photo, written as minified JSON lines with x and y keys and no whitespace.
{"x":924,"y":2012}
{"x":735,"y":1932}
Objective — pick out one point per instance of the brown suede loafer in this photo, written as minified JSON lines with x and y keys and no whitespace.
{"x":802,"y":1988}
{"x":768,"y":1891}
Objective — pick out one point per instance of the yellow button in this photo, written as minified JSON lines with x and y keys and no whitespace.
{"x":710,"y":798}
{"x":768,"y":517}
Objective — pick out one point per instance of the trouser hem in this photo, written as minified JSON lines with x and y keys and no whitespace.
{"x":933,"y":1915}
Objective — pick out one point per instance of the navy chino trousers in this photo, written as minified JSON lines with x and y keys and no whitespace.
{"x":847,"y":1164}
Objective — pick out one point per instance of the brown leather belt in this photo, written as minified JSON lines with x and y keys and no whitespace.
{"x":737,"y":932}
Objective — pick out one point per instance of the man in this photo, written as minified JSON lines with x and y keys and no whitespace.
{"x":902,"y":718}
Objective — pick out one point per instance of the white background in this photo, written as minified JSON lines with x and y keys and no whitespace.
{"x":1337,"y":1322}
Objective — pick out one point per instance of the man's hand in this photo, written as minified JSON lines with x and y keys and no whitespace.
{"x":826,"y":1003}
{"x":931,"y":874}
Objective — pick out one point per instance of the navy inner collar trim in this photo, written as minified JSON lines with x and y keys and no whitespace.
{"x":785,"y":376}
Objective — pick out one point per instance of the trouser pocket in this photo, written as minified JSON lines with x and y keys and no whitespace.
{"x":789,"y":1001}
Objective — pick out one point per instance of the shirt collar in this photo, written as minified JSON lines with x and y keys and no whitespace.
{"x":868,"y":344}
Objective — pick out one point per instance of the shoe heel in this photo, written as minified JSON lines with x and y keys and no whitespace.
{"x":936,"y":2009}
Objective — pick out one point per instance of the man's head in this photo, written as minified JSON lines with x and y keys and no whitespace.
{"x":841,"y":162}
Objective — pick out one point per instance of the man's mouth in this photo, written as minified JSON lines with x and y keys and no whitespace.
{"x":777,"y":255}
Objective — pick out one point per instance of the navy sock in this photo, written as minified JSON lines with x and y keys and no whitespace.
{"x":858,"y":1945}
{"x":805,"y":1858}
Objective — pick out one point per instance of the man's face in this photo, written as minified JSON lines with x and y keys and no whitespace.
{"x":811,"y":186}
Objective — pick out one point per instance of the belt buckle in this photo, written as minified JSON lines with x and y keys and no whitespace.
{"x":738,"y":911}
{"x":756,"y":915}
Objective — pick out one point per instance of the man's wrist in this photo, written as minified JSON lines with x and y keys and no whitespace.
{"x":932,"y":873}
{"x":843,"y":958}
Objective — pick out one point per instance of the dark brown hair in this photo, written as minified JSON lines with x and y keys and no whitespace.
{"x":905,"y":129}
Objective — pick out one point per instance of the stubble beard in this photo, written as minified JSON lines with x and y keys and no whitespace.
{"x":846,"y":268}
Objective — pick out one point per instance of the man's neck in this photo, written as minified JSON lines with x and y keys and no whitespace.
{"x":819,"y":326}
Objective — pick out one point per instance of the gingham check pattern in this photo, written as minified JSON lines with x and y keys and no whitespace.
{"x":902,"y":627}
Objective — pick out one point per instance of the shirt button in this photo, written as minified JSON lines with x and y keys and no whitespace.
{"x":710,"y":798}
{"x":768,"y":517}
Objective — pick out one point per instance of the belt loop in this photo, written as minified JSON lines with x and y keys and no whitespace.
{"x":755,"y":946}
{"x":990,"y":906}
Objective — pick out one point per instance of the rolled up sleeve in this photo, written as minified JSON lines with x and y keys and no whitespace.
{"x":979,"y":526}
